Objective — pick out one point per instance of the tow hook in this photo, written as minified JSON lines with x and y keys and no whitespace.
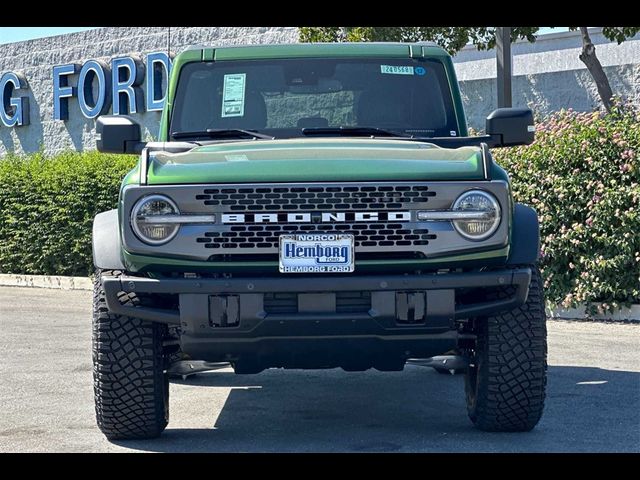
{"x":186,"y":368}
{"x":451,"y":363}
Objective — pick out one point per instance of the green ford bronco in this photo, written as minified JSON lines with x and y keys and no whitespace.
{"x":316,"y":206}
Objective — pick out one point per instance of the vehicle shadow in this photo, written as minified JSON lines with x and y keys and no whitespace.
{"x":587,"y":409}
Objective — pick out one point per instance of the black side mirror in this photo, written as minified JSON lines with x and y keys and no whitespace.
{"x":511,"y":126}
{"x":118,"y":134}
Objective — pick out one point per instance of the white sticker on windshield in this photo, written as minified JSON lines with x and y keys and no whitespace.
{"x":397,"y":69}
{"x":233,"y":95}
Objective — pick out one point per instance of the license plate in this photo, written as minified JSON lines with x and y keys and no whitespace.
{"x":316,"y":253}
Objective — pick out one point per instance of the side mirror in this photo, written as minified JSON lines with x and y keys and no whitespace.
{"x":511,"y":126}
{"x":118,"y":134}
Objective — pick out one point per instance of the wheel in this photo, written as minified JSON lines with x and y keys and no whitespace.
{"x":130,"y":385}
{"x":506,"y":381}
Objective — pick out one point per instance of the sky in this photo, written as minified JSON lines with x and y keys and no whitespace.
{"x":18,"y":34}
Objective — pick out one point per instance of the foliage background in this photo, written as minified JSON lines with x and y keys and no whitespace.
{"x":47,"y":205}
{"x":582,"y":175}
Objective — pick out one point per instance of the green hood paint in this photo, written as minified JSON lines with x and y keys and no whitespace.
{"x":314,"y":160}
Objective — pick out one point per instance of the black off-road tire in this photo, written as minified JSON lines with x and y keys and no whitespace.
{"x":130,"y":384}
{"x":505,"y":385}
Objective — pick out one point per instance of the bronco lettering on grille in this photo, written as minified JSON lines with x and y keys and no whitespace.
{"x":316,"y":217}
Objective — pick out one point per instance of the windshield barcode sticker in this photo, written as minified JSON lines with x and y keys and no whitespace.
{"x":233,"y":95}
{"x":397,"y":69}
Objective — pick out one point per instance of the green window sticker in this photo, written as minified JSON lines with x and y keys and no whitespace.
{"x":233,"y":95}
{"x":397,"y":69}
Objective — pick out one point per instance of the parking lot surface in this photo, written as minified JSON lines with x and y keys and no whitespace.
{"x":46,"y":396}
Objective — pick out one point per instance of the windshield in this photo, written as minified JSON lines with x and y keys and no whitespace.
{"x":286,"y":97}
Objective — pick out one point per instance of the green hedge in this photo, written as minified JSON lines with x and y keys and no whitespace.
{"x":47,"y":207}
{"x":582,"y":175}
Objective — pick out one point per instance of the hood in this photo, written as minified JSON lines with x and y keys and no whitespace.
{"x":314,"y":160}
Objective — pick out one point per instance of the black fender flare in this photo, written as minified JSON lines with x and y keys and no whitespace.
{"x":105,"y":242}
{"x":525,"y":236}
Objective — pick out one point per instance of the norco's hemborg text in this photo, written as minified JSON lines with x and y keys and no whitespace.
{"x":316,"y":206}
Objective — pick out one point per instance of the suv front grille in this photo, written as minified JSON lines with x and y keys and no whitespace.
{"x":380,"y":235}
{"x":352,"y":197}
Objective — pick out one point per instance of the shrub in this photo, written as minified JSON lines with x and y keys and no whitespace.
{"x":582,"y":175}
{"x":47,"y":205}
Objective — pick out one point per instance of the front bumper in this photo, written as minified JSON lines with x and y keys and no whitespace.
{"x":440,"y":294}
{"x":413,"y":315}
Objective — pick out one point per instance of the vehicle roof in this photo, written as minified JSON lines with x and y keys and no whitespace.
{"x":301,"y":50}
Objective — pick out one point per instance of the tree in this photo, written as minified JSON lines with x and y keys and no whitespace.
{"x":450,"y":38}
{"x":588,"y":57}
{"x":453,"y":39}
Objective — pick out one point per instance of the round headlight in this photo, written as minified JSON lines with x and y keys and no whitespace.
{"x":477,"y":201}
{"x":149,"y":219}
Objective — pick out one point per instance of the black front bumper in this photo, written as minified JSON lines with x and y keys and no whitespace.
{"x":223,"y":319}
{"x":440,"y":290}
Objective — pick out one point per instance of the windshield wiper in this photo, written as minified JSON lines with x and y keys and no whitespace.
{"x":222,"y":133}
{"x":352,"y":131}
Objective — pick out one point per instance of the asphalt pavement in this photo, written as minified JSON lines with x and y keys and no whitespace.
{"x":46,"y":396}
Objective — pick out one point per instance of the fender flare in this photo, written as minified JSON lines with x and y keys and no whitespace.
{"x":525,"y":236}
{"x":105,"y":243}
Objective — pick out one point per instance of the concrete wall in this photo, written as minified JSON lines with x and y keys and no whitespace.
{"x":36,"y":58}
{"x":548,"y":74}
